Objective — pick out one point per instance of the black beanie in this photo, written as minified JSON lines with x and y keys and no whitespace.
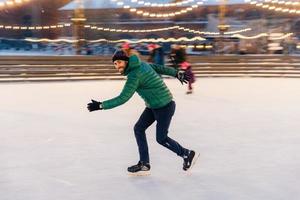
{"x":120,"y":55}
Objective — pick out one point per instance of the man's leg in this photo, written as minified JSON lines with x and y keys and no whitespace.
{"x":145,"y":120}
{"x":163,"y":117}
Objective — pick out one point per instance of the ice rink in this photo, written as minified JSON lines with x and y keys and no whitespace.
{"x":247,"y":130}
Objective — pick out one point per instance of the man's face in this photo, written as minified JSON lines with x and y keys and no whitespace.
{"x":120,"y":65}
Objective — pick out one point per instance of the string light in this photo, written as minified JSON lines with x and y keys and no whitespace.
{"x":272,"y":36}
{"x":92,"y":27}
{"x":197,"y":32}
{"x":283,"y":36}
{"x":273,"y":3}
{"x":34,"y":27}
{"x":250,"y":37}
{"x":197,"y":46}
{"x":182,"y":39}
{"x":292,"y":3}
{"x":212,"y":33}
{"x":130,"y":30}
{"x":12,"y":3}
{"x":158,"y":15}
{"x":50,"y":40}
{"x":152,"y":40}
{"x":158,"y":4}
{"x":238,"y":31}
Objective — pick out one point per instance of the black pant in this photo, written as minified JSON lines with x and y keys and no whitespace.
{"x":163,"y":117}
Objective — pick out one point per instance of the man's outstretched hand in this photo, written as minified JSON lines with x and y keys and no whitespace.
{"x":94,"y":105}
{"x":182,"y":76}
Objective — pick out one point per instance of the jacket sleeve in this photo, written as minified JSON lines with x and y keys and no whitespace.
{"x":160,"y":69}
{"x":127,"y":92}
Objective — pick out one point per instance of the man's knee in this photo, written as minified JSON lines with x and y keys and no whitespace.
{"x":161,"y":140}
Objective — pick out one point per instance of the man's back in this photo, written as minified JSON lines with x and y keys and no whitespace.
{"x":152,"y":88}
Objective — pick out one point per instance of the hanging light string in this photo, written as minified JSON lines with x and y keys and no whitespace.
{"x":98,"y":28}
{"x":152,"y":40}
{"x":92,"y":27}
{"x":182,"y":39}
{"x":157,"y":15}
{"x":212,"y":33}
{"x":276,"y":8}
{"x":130,"y":30}
{"x":180,"y":3}
{"x":270,"y":35}
{"x":34,"y":27}
{"x":238,"y":31}
{"x":51,"y":40}
{"x":283,"y":36}
{"x":250,"y":37}
{"x":292,"y":3}
{"x":12,"y":3}
{"x":164,"y":15}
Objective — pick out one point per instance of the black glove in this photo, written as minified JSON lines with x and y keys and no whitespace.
{"x":182,"y":76}
{"x":95,"y":105}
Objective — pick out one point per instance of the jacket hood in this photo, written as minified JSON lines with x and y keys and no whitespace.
{"x":133,"y":63}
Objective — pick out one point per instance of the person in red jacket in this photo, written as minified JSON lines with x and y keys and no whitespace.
{"x":186,"y":66}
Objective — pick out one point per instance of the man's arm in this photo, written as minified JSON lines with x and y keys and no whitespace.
{"x":127,"y":92}
{"x":181,"y":75}
{"x":160,"y":69}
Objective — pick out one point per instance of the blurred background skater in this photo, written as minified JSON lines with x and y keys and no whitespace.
{"x":178,"y":59}
{"x":129,"y":49}
{"x":157,"y":54}
{"x":177,"y":55}
{"x":186,"y":66}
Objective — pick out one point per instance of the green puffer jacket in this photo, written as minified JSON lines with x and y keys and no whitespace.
{"x":143,"y":78}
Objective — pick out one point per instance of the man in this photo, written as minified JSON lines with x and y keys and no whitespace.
{"x":143,"y":78}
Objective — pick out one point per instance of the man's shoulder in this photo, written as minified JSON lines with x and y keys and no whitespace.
{"x":135,"y":73}
{"x":145,"y":66}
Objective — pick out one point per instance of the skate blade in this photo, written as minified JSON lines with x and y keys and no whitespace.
{"x":197,"y":155}
{"x":140,"y":173}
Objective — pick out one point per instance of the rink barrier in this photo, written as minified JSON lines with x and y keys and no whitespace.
{"x":62,"y":68}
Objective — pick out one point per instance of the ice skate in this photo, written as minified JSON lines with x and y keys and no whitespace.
{"x":189,"y":92}
{"x":140,"y":169}
{"x":190,"y":160}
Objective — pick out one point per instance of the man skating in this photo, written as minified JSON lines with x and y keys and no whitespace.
{"x":144,"y":79}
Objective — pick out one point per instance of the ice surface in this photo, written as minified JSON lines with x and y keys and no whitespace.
{"x":247,"y":131}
